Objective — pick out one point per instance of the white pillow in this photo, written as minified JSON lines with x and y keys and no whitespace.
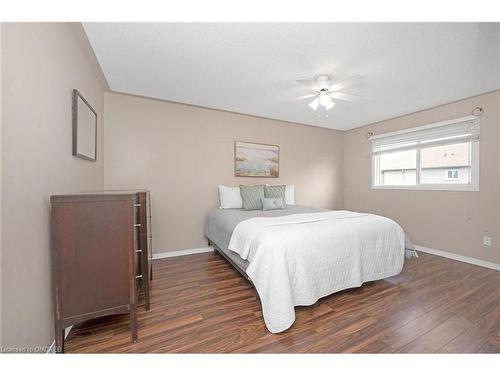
{"x":230,"y":197}
{"x":290,"y":194}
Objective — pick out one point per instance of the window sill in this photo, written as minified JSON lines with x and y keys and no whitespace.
{"x":429,"y":187}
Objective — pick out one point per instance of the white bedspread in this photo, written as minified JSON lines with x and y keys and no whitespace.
{"x":295,"y":260}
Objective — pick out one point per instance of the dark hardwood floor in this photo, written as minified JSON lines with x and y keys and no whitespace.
{"x":200,"y":304}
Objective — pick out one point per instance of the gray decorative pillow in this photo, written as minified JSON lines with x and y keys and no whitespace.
{"x":252,"y":197}
{"x":277,"y":191}
{"x":272,"y":204}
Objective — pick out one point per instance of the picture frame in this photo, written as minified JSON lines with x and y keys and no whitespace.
{"x":84,"y":128}
{"x":256,"y":159}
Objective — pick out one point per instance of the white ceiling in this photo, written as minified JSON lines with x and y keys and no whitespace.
{"x":252,"y":68}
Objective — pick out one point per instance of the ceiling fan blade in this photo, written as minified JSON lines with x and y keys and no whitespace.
{"x":309,"y":82}
{"x":305,"y":81}
{"x":307,"y":96}
{"x":345,"y":83}
{"x":344,"y":96}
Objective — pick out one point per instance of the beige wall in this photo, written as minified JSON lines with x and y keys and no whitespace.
{"x":181,"y":153}
{"x":41,"y":64}
{"x":450,"y":221}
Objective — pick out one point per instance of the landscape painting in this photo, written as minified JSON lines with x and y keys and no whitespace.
{"x":256,"y":160}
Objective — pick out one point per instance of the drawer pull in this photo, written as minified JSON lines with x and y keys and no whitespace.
{"x":137,"y":225}
{"x":138,"y":251}
{"x":138,"y":277}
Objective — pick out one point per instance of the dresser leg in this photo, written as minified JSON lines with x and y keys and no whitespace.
{"x":59,"y":340}
{"x":146,"y":296}
{"x":133,"y":322}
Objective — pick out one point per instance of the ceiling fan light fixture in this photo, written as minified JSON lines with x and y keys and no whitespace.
{"x":314,"y":104}
{"x":329,"y":105}
{"x":324,"y":99}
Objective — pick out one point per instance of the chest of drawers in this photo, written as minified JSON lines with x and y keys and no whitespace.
{"x":101,"y":256}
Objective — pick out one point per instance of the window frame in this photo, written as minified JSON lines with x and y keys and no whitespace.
{"x":474,"y":166}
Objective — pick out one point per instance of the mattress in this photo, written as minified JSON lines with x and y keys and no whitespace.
{"x":220,"y":224}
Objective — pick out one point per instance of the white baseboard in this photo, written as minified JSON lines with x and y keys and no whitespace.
{"x":178,"y":253}
{"x":460,"y":258}
{"x":52,"y":347}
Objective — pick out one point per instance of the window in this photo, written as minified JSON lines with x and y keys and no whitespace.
{"x":452,"y":174}
{"x":441,"y":156}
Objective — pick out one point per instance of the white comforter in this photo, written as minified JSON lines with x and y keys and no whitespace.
{"x":295,"y":260}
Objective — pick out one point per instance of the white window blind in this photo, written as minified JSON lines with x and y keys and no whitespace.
{"x":458,"y":131}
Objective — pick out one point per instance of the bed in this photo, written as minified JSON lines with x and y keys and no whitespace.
{"x":297,"y":255}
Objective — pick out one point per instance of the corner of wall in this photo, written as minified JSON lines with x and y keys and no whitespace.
{"x":84,"y":42}
{"x":344,"y":183}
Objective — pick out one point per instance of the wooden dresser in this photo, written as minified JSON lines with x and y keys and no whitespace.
{"x":101,"y":256}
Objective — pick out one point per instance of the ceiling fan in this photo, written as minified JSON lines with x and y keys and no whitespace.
{"x":325,"y":90}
